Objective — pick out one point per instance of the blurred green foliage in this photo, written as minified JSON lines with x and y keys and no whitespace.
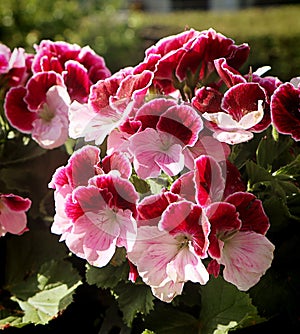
{"x":99,"y":23}
{"x":273,"y":33}
{"x":121,"y":35}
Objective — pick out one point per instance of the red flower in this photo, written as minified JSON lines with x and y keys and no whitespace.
{"x":285,"y":110}
{"x":80,"y":67}
{"x":175,"y":59}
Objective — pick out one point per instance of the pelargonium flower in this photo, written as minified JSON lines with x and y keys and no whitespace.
{"x":14,"y":66}
{"x":207,"y":99}
{"x":166,"y":129}
{"x":83,"y":165}
{"x":238,"y":222}
{"x":210,"y":181}
{"x":285,"y":110}
{"x":205,"y":145}
{"x":13,"y":210}
{"x":238,"y":241}
{"x":242,"y":109}
{"x":151,"y":207}
{"x":156,"y":151}
{"x":109,"y":104}
{"x":174,"y":58}
{"x":171,"y":253}
{"x":103,"y":216}
{"x":231,"y":77}
{"x":41,"y":109}
{"x":79,"y":67}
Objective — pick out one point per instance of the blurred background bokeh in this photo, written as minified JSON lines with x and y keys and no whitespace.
{"x":121,"y":30}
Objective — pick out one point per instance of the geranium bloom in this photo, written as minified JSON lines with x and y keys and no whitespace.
{"x":285,"y":110}
{"x":155,"y":151}
{"x":242,"y":107}
{"x":79,"y":67}
{"x":169,"y":254}
{"x":192,"y":52}
{"x":238,"y":241}
{"x":166,"y":129}
{"x":14,"y":66}
{"x":13,"y":214}
{"x":102,"y":214}
{"x":205,"y":145}
{"x":109,"y":105}
{"x":81,"y":166}
{"x":84,"y":164}
{"x":238,"y":222}
{"x":41,"y":109}
{"x":209,"y":182}
{"x":231,"y":77}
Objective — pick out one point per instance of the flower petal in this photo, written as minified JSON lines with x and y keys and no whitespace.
{"x":209,"y":181}
{"x":285,"y":110}
{"x":246,"y":257}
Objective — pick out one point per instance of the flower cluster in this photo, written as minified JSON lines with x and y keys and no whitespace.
{"x":60,"y":73}
{"x":154,"y":175}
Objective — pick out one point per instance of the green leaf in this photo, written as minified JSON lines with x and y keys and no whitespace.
{"x":25,"y":256}
{"x":223,"y":304}
{"x":133,"y":299}
{"x":159,"y":183}
{"x":221,"y":329}
{"x":108,"y":276}
{"x":141,"y":186}
{"x":292,"y":169}
{"x":55,"y":284}
{"x":293,"y":205}
{"x":269,"y":150}
{"x":244,"y":152}
{"x":172,"y":321}
{"x":147,"y":331}
{"x":277,"y":212}
{"x":12,"y":321}
{"x":270,"y":295}
{"x":257,"y":173}
{"x":45,"y":305}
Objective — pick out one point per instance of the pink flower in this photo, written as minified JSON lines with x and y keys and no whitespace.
{"x":154,"y":151}
{"x":205,"y":145}
{"x":207,"y":99}
{"x":190,"y":53}
{"x":152,"y":207}
{"x":285,"y":110}
{"x":246,"y":257}
{"x":166,"y":128}
{"x":109,"y":104}
{"x":14,"y":66}
{"x":210,"y":181}
{"x":102,"y":214}
{"x":79,"y":67}
{"x":237,"y":240}
{"x":231,"y":77}
{"x":83,"y":165}
{"x":170,"y":254}
{"x":12,"y":214}
{"x":41,"y":109}
{"x":92,"y":125}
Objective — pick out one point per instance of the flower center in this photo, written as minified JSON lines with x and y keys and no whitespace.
{"x":46,"y":113}
{"x":183,"y":241}
{"x":226,"y":235}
